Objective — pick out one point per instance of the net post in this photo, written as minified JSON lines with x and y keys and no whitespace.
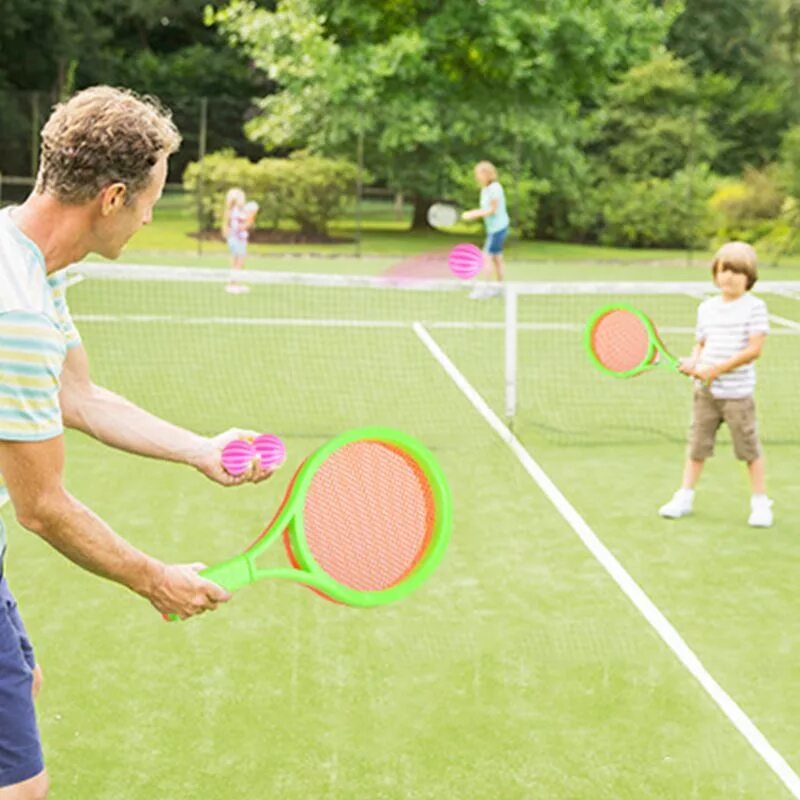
{"x":201,"y":154}
{"x":359,"y":184}
{"x":511,"y":351}
{"x":35,"y":132}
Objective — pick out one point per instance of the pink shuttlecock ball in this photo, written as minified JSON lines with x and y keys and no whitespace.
{"x":465,"y":261}
{"x":237,"y":456}
{"x":270,"y":449}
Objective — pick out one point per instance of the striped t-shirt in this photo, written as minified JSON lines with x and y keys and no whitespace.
{"x":725,"y":329}
{"x":36,"y":331}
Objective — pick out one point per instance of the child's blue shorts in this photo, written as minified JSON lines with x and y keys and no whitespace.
{"x":237,"y":246}
{"x":495,"y":241}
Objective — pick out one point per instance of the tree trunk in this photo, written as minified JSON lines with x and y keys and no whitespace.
{"x":420,"y":220}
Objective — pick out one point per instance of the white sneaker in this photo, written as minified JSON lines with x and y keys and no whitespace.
{"x":237,"y":288}
{"x":679,"y":506}
{"x":478,"y":293}
{"x":760,"y":511}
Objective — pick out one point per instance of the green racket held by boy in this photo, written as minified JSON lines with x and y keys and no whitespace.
{"x":623,"y":341}
{"x":365,"y":520}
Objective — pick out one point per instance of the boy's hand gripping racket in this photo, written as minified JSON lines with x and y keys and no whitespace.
{"x":623,"y":341}
{"x":365,"y":520}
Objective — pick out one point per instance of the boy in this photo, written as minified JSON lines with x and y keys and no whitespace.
{"x":731,"y":328}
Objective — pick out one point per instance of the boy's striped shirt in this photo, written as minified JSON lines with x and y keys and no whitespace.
{"x":725,"y":329}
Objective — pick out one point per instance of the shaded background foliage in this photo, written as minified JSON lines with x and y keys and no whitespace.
{"x":618,"y":121}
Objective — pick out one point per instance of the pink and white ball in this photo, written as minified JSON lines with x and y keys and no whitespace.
{"x":465,"y":261}
{"x":267,"y":449}
{"x":270,"y":449}
{"x":237,"y":456}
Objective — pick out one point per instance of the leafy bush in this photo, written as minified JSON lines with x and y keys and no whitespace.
{"x":653,"y":123}
{"x":790,"y":161}
{"x":309,"y":190}
{"x":314,"y":188}
{"x":220,"y":171}
{"x":747,"y":209}
{"x":656,"y":212}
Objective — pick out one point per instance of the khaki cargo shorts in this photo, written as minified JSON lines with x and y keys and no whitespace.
{"x":709,"y":412}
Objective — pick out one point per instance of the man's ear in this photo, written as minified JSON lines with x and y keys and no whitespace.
{"x":112,"y":198}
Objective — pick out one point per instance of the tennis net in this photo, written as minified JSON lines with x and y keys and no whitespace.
{"x":311,"y":355}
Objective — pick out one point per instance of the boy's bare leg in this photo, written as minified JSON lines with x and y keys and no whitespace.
{"x":691,"y":473}
{"x":758,"y":477}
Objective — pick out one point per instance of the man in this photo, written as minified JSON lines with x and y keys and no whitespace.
{"x":103,"y":167}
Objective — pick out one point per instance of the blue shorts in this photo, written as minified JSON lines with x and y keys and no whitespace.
{"x":495,"y":241}
{"x":20,"y":747}
{"x":237,"y":246}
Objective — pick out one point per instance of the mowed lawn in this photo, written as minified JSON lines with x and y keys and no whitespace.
{"x":519,"y":671}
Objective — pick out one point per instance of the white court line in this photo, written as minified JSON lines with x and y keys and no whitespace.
{"x":792,"y":295}
{"x":299,"y":322}
{"x":646,"y":607}
{"x":786,"y":323}
{"x":573,"y":327}
{"x":258,"y":321}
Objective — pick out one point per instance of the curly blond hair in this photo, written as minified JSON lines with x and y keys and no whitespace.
{"x":101,"y":136}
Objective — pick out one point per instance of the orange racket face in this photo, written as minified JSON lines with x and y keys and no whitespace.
{"x":620,"y":341}
{"x":367,"y":518}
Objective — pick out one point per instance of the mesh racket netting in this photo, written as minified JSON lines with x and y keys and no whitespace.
{"x":368,"y":516}
{"x":620,"y":340}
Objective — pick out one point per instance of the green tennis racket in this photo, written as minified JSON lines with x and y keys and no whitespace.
{"x":365,"y":520}
{"x":623,"y":341}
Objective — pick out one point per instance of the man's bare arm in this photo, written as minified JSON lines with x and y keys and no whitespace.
{"x":33,"y":475}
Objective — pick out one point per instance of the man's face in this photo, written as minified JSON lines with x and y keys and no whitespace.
{"x":120,"y":221}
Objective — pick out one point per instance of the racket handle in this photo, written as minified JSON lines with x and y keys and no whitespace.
{"x":671,"y":361}
{"x":230,"y":575}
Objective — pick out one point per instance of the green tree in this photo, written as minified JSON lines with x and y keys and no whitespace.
{"x":653,"y":122}
{"x":161,"y":47}
{"x":650,"y":151}
{"x":436,"y":84}
{"x":745,"y":54}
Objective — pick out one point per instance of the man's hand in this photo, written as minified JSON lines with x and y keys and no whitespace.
{"x":178,"y":589}
{"x":209,"y":460}
{"x":687,"y":366}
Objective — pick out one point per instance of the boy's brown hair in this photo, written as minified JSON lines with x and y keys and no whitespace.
{"x":737,"y":257}
{"x":101,"y":136}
